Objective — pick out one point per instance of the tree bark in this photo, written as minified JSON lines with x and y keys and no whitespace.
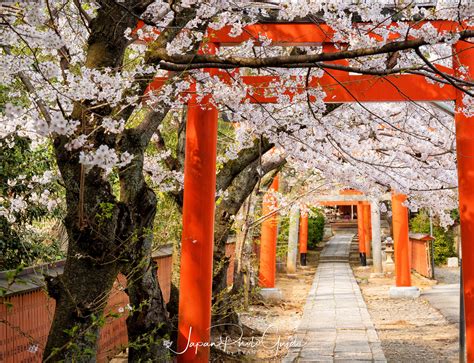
{"x":245,"y":157}
{"x":148,"y":323}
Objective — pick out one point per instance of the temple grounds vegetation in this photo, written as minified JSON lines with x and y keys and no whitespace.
{"x":444,"y":238}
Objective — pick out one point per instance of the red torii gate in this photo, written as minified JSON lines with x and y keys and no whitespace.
{"x":363,"y":221}
{"x":340,"y":87}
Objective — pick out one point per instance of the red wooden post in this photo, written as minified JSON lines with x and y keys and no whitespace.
{"x":198,"y":232}
{"x":367,"y":228}
{"x":463,"y":56}
{"x":400,"y":238}
{"x":268,"y":239}
{"x":303,"y":237}
{"x":361,"y":233}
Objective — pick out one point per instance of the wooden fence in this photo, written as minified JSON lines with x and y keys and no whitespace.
{"x":230,"y":252}
{"x":420,"y":254}
{"x":25,"y":326}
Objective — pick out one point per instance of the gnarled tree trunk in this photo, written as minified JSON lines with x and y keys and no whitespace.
{"x":96,"y":224}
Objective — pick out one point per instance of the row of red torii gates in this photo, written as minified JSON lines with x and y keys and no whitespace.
{"x":340,"y":87}
{"x":368,"y":230}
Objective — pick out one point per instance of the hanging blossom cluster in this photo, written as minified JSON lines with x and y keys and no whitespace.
{"x":26,"y":192}
{"x":163,"y":179}
{"x":105,"y":158}
{"x":374,"y":148}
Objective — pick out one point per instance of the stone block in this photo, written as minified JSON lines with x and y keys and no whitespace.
{"x":404,"y":292}
{"x":290,"y":358}
{"x":453,"y":262}
{"x":271,"y":293}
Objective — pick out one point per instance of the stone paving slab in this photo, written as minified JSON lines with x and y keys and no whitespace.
{"x":336,"y":326}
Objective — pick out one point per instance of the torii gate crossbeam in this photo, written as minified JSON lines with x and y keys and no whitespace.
{"x":348,"y":88}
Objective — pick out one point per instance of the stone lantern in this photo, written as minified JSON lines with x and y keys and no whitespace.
{"x":389,"y":265}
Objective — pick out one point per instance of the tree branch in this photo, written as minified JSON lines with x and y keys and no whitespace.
{"x":441,"y":74}
{"x":158,"y":55}
{"x":245,"y":157}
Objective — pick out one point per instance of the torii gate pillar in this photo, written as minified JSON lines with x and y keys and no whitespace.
{"x":268,"y":239}
{"x":367,"y":229}
{"x":401,"y":242}
{"x":361,"y":232}
{"x":402,"y":286}
{"x":198,"y":232}
{"x":463,"y":57}
{"x":303,"y":237}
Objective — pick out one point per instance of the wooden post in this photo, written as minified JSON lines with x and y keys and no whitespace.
{"x":268,"y":239}
{"x":361,"y":233}
{"x":463,"y":59}
{"x":198,"y":232}
{"x":303,"y":237}
{"x":367,"y":229}
{"x":400,"y":238}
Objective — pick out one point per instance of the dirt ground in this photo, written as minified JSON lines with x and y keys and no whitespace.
{"x":275,"y":321}
{"x":410,"y":330}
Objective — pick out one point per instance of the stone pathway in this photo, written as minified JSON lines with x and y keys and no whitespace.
{"x":336,"y":325}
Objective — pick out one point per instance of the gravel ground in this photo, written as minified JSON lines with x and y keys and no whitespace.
{"x":410,"y":330}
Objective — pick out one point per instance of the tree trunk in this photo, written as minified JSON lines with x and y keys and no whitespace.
{"x":97,"y":224}
{"x":147,"y":324}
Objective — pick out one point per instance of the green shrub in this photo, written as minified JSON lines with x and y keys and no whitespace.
{"x":315,"y":228}
{"x":444,"y":238}
{"x":20,"y":245}
{"x":315,"y":231}
{"x":283,"y":231}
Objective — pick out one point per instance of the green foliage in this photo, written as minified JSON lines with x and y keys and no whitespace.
{"x":168,"y":221}
{"x":169,"y":128}
{"x":20,"y":245}
{"x":444,"y":238}
{"x":315,"y":227}
{"x":106,"y":212}
{"x":225,"y":140}
{"x":11,"y":276}
{"x":283,"y":231}
{"x":420,"y":223}
{"x":29,"y":248}
{"x":315,"y":231}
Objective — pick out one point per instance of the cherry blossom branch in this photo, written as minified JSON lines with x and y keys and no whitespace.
{"x":31,"y":90}
{"x":441,"y":74}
